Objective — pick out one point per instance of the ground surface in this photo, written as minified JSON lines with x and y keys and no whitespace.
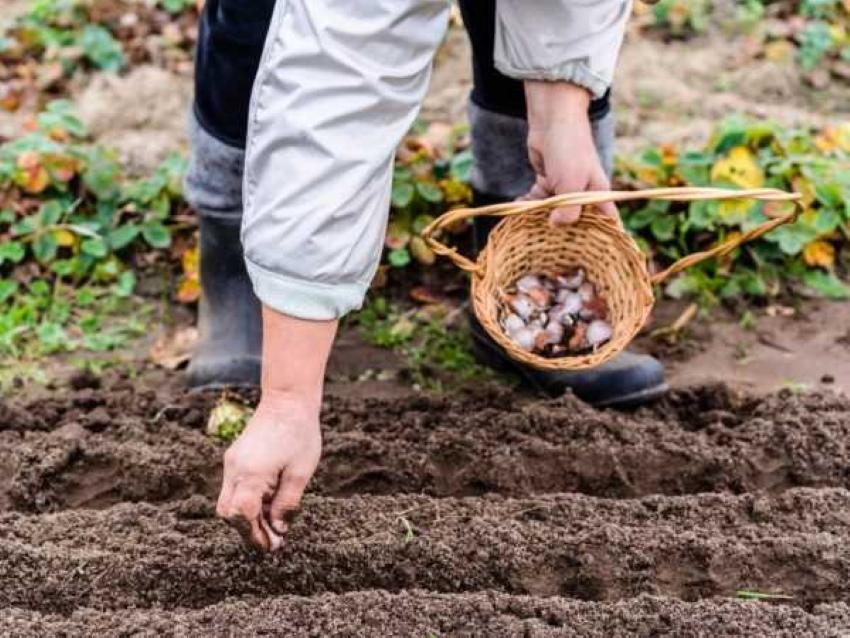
{"x":582,"y":522}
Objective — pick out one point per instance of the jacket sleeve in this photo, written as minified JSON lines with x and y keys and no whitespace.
{"x":573,"y":40}
{"x":339,"y":85}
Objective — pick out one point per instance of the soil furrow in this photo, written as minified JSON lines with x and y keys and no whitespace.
{"x":422,"y":613}
{"x":567,"y":545}
{"x":94,"y":449}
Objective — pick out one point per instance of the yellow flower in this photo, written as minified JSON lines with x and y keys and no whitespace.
{"x":819,"y":253}
{"x":669,"y":154}
{"x":740,"y":168}
{"x":64,"y":237}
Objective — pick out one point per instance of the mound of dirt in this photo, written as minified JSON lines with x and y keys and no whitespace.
{"x":98,"y":447}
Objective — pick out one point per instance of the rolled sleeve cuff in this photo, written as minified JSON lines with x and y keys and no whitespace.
{"x":576,"y":72}
{"x":311,"y":300}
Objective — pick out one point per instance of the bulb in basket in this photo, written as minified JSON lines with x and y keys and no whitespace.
{"x":555,"y":314}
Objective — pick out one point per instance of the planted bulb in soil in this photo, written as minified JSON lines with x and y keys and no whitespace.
{"x":555,"y":314}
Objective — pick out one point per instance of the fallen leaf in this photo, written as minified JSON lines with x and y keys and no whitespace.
{"x":425,"y":295}
{"x":819,"y":253}
{"x":174,"y":348}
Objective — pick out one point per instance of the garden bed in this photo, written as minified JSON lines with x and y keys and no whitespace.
{"x":586,"y":521}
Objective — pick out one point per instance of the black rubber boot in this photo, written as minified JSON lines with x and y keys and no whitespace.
{"x":229,"y":352}
{"x":626,"y":381}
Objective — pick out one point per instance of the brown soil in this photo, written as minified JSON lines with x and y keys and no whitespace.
{"x":584,"y":521}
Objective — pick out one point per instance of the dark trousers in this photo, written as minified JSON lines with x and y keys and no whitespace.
{"x":230,"y":44}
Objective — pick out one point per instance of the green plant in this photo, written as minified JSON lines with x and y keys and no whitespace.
{"x":426,"y":337}
{"x":681,"y":16}
{"x":744,"y":154}
{"x":747,"y":594}
{"x":427,"y":179}
{"x":70,"y":227}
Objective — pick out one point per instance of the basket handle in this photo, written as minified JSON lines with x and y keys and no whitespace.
{"x":687,"y":194}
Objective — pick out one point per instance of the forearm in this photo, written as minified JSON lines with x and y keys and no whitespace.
{"x":295,"y":355}
{"x":553,"y":102}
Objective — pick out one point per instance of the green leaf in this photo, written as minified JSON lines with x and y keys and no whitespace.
{"x":792,"y":239}
{"x":12,"y":251}
{"x":44,"y":247}
{"x":157,"y":235}
{"x":430,"y":192}
{"x":50,"y":213}
{"x":461,"y":166}
{"x":95,"y":247}
{"x":52,"y":337}
{"x":123,"y":236}
{"x":25,"y":226}
{"x":663,"y":227}
{"x":7,"y":289}
{"x":827,"y":284}
{"x":101,"y":48}
{"x":63,"y":267}
{"x":701,"y":214}
{"x":402,"y":194}
{"x":126,"y":284}
{"x":399,"y":258}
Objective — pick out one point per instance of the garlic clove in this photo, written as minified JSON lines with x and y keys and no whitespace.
{"x":512,"y":323}
{"x":524,"y":338}
{"x":554,"y":333}
{"x":596,"y":308}
{"x":540,"y":297}
{"x":598,"y":332}
{"x":577,"y":340}
{"x":522,"y":306}
{"x":528,"y":283}
{"x":572,"y":303}
{"x":572,"y":280}
{"x":586,"y":291}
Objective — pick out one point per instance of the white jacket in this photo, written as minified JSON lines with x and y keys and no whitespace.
{"x":339,"y":85}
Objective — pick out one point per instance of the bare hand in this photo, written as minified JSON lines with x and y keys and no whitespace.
{"x":561,"y":148}
{"x":267,"y":469}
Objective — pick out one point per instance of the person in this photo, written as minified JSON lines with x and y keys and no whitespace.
{"x":299,"y":107}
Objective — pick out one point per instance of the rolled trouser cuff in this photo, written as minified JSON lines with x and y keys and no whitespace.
{"x":311,"y":300}
{"x":500,"y":149}
{"x":213,"y":181}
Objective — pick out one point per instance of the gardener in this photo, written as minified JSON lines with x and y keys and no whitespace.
{"x":335,"y":88}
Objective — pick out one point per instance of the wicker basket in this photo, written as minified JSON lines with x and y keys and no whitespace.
{"x":526,"y":242}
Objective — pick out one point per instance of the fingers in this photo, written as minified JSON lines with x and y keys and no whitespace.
{"x":287,"y":500}
{"x":241,"y":506}
{"x":565,"y":215}
{"x":600,"y":182}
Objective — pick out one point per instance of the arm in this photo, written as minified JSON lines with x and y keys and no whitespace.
{"x":565,"y":51}
{"x":339,"y":85}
